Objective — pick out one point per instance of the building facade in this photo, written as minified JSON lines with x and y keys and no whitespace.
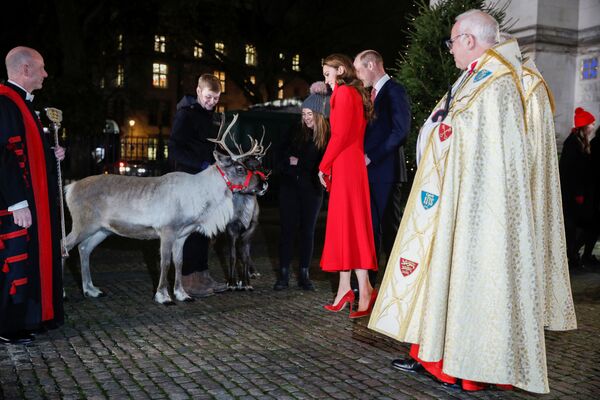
{"x":150,"y":73}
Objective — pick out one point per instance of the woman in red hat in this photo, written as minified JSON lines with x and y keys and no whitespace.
{"x":577,"y":183}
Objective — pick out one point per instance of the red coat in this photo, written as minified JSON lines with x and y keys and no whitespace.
{"x":349,"y":240}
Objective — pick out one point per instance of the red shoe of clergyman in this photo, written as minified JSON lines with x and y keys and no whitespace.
{"x":358,"y":314}
{"x":348,"y":298}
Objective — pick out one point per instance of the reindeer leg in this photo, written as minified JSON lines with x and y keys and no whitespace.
{"x":85,"y":249}
{"x":70,"y":242}
{"x":162,"y":291}
{"x":246,"y":261}
{"x":178,"y":290}
{"x":232,"y":282}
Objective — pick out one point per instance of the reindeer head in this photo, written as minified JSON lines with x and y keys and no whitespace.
{"x":242,"y":170}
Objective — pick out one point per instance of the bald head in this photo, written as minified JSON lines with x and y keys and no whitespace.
{"x":369,"y":67}
{"x":25,"y":66}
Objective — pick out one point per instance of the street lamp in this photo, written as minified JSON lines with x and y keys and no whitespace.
{"x":131,"y":125}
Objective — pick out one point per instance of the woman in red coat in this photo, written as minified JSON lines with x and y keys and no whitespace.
{"x":349,"y":241}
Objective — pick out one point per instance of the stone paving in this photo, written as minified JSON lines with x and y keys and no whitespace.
{"x":248,"y":345}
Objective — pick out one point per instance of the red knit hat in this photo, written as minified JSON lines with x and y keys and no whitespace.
{"x":582,"y":118}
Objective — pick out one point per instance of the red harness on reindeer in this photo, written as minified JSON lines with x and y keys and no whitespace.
{"x":237,"y":187}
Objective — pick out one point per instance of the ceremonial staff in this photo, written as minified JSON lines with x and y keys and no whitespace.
{"x":55,"y":116}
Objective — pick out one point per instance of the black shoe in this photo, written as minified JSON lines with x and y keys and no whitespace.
{"x":17,"y":338}
{"x":407,"y":365}
{"x":306,"y":285}
{"x":304,"y":281}
{"x":281,"y":285}
{"x":453,"y":386}
{"x":283,"y":279}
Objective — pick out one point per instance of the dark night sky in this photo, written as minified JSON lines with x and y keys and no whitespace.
{"x":375,"y":24}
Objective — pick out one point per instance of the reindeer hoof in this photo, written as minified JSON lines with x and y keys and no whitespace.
{"x":164,"y":299}
{"x":93,"y":293}
{"x":183,"y":296}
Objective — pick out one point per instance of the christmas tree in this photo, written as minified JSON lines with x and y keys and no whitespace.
{"x":425,"y":67}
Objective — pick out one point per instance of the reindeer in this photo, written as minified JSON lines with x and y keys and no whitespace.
{"x":242,"y":227}
{"x":168,"y":207}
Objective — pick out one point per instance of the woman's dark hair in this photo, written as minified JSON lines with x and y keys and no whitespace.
{"x":348,"y":77}
{"x":582,"y":139}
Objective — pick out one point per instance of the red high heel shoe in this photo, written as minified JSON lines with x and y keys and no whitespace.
{"x":348,"y":298}
{"x":364,"y":313}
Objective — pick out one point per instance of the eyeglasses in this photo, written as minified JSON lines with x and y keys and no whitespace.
{"x":450,"y":41}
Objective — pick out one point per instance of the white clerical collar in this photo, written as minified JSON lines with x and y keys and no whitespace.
{"x":377,"y":86}
{"x":28,"y":96}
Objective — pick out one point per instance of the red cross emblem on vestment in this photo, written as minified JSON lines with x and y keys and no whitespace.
{"x":444,"y":132}
{"x":407,"y":267}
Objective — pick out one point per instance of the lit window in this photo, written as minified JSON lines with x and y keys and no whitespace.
{"x":119,"y":42}
{"x":589,"y":68}
{"x":281,"y":56}
{"x":120,"y":76}
{"x":221,"y":108}
{"x":250,"y":55}
{"x":160,"y":43}
{"x":280,"y":89}
{"x":221,"y":77}
{"x":220,"y":47}
{"x":296,"y":62}
{"x":198,"y":52}
{"x":102,"y":83}
{"x":251,"y":81}
{"x":151,"y":155}
{"x":159,"y":75}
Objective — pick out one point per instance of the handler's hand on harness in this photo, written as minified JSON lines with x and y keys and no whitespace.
{"x":22,"y":217}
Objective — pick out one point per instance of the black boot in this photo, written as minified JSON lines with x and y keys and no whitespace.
{"x":304,"y":281}
{"x":283,"y":280}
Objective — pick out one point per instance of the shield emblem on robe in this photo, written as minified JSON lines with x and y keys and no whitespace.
{"x":444,"y":132}
{"x":407,"y":267}
{"x":428,"y":200}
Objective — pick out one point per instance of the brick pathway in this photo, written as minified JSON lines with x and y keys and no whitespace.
{"x":261,"y":344}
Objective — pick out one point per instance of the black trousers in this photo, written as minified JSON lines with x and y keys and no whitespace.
{"x":299,"y":207}
{"x":386,"y":212}
{"x":195,"y":253}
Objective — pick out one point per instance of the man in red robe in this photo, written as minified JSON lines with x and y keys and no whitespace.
{"x":30,"y":259}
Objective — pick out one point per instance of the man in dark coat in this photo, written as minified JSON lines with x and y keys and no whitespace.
{"x":30,"y":258}
{"x":190,"y":151}
{"x":384,"y":152}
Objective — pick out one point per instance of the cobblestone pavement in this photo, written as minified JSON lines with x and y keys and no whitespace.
{"x":260,"y":344}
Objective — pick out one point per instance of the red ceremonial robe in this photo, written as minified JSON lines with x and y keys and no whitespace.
{"x":435,"y":369}
{"x":30,"y":274}
{"x":349,"y":233}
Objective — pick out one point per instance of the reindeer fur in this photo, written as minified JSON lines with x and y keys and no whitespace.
{"x":168,"y":207}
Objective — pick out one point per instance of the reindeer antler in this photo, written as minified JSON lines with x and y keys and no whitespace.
{"x":256,"y":148}
{"x":262,"y":150}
